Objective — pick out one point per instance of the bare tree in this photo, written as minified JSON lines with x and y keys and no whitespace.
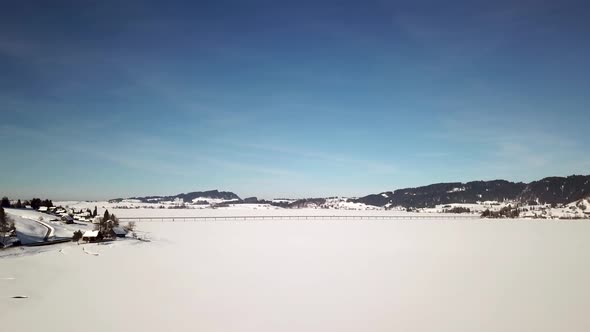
{"x":130,"y":227}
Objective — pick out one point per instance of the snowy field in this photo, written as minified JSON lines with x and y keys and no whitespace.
{"x":30,"y":231}
{"x":127,"y":210}
{"x":420,"y":275}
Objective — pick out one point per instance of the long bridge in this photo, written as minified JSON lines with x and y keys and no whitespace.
{"x":283,"y":217}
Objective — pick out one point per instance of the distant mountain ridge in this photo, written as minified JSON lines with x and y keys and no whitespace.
{"x":557,"y":189}
{"x":550,"y":190}
{"x":188,"y":197}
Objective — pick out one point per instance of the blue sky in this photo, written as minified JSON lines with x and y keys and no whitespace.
{"x":103,"y":99}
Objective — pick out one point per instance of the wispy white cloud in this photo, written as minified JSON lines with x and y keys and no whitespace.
{"x":246,"y":167}
{"x":432,"y":154}
{"x":141,"y":152}
{"x":512,"y":147}
{"x":96,"y":151}
{"x":369,"y":165}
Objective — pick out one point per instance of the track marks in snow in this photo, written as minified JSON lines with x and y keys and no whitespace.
{"x":89,"y":252}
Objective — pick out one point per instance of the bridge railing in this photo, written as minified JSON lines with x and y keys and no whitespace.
{"x":258,"y":218}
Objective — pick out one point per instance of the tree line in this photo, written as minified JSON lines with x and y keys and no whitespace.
{"x":505,"y":212}
{"x":35,"y":203}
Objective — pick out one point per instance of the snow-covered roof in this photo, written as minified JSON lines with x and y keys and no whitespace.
{"x":43,"y":208}
{"x":90,"y":234}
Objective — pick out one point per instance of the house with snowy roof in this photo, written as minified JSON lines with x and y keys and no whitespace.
{"x":118,"y":232}
{"x":91,"y":236}
{"x":67,"y":219}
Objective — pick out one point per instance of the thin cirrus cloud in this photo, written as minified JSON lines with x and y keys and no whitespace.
{"x":142,"y":153}
{"x":369,"y":165}
{"x":516,"y":147}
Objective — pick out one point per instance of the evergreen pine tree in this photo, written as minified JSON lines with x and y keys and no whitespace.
{"x":115,"y":220}
{"x":19,"y":205}
{"x":5,"y":202}
{"x":2,"y":224}
{"x":95,"y":213}
{"x":36,"y":203}
{"x":2,"y":218}
{"x":6,"y":225}
{"x":104,"y":222}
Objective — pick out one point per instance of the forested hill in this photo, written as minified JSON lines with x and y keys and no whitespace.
{"x":548,"y":190}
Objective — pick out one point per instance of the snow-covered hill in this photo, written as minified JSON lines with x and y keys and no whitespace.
{"x":211,"y":196}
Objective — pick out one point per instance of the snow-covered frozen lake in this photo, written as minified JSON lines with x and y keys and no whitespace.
{"x":420,"y":275}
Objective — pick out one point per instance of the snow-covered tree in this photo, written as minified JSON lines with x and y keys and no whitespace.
{"x":102,"y":225}
{"x":130,"y":227}
{"x":114,"y":220}
{"x":6,"y":224}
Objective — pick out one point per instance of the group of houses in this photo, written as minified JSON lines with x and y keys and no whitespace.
{"x":70,"y":216}
{"x":67,"y":216}
{"x":546,"y":212}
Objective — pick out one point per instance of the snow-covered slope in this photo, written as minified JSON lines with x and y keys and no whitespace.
{"x":293,"y":276}
{"x":38,"y":222}
{"x":211,"y":195}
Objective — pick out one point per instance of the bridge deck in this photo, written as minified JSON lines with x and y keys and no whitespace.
{"x":245,"y":218}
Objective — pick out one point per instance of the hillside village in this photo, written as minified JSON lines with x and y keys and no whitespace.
{"x":20,"y":224}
